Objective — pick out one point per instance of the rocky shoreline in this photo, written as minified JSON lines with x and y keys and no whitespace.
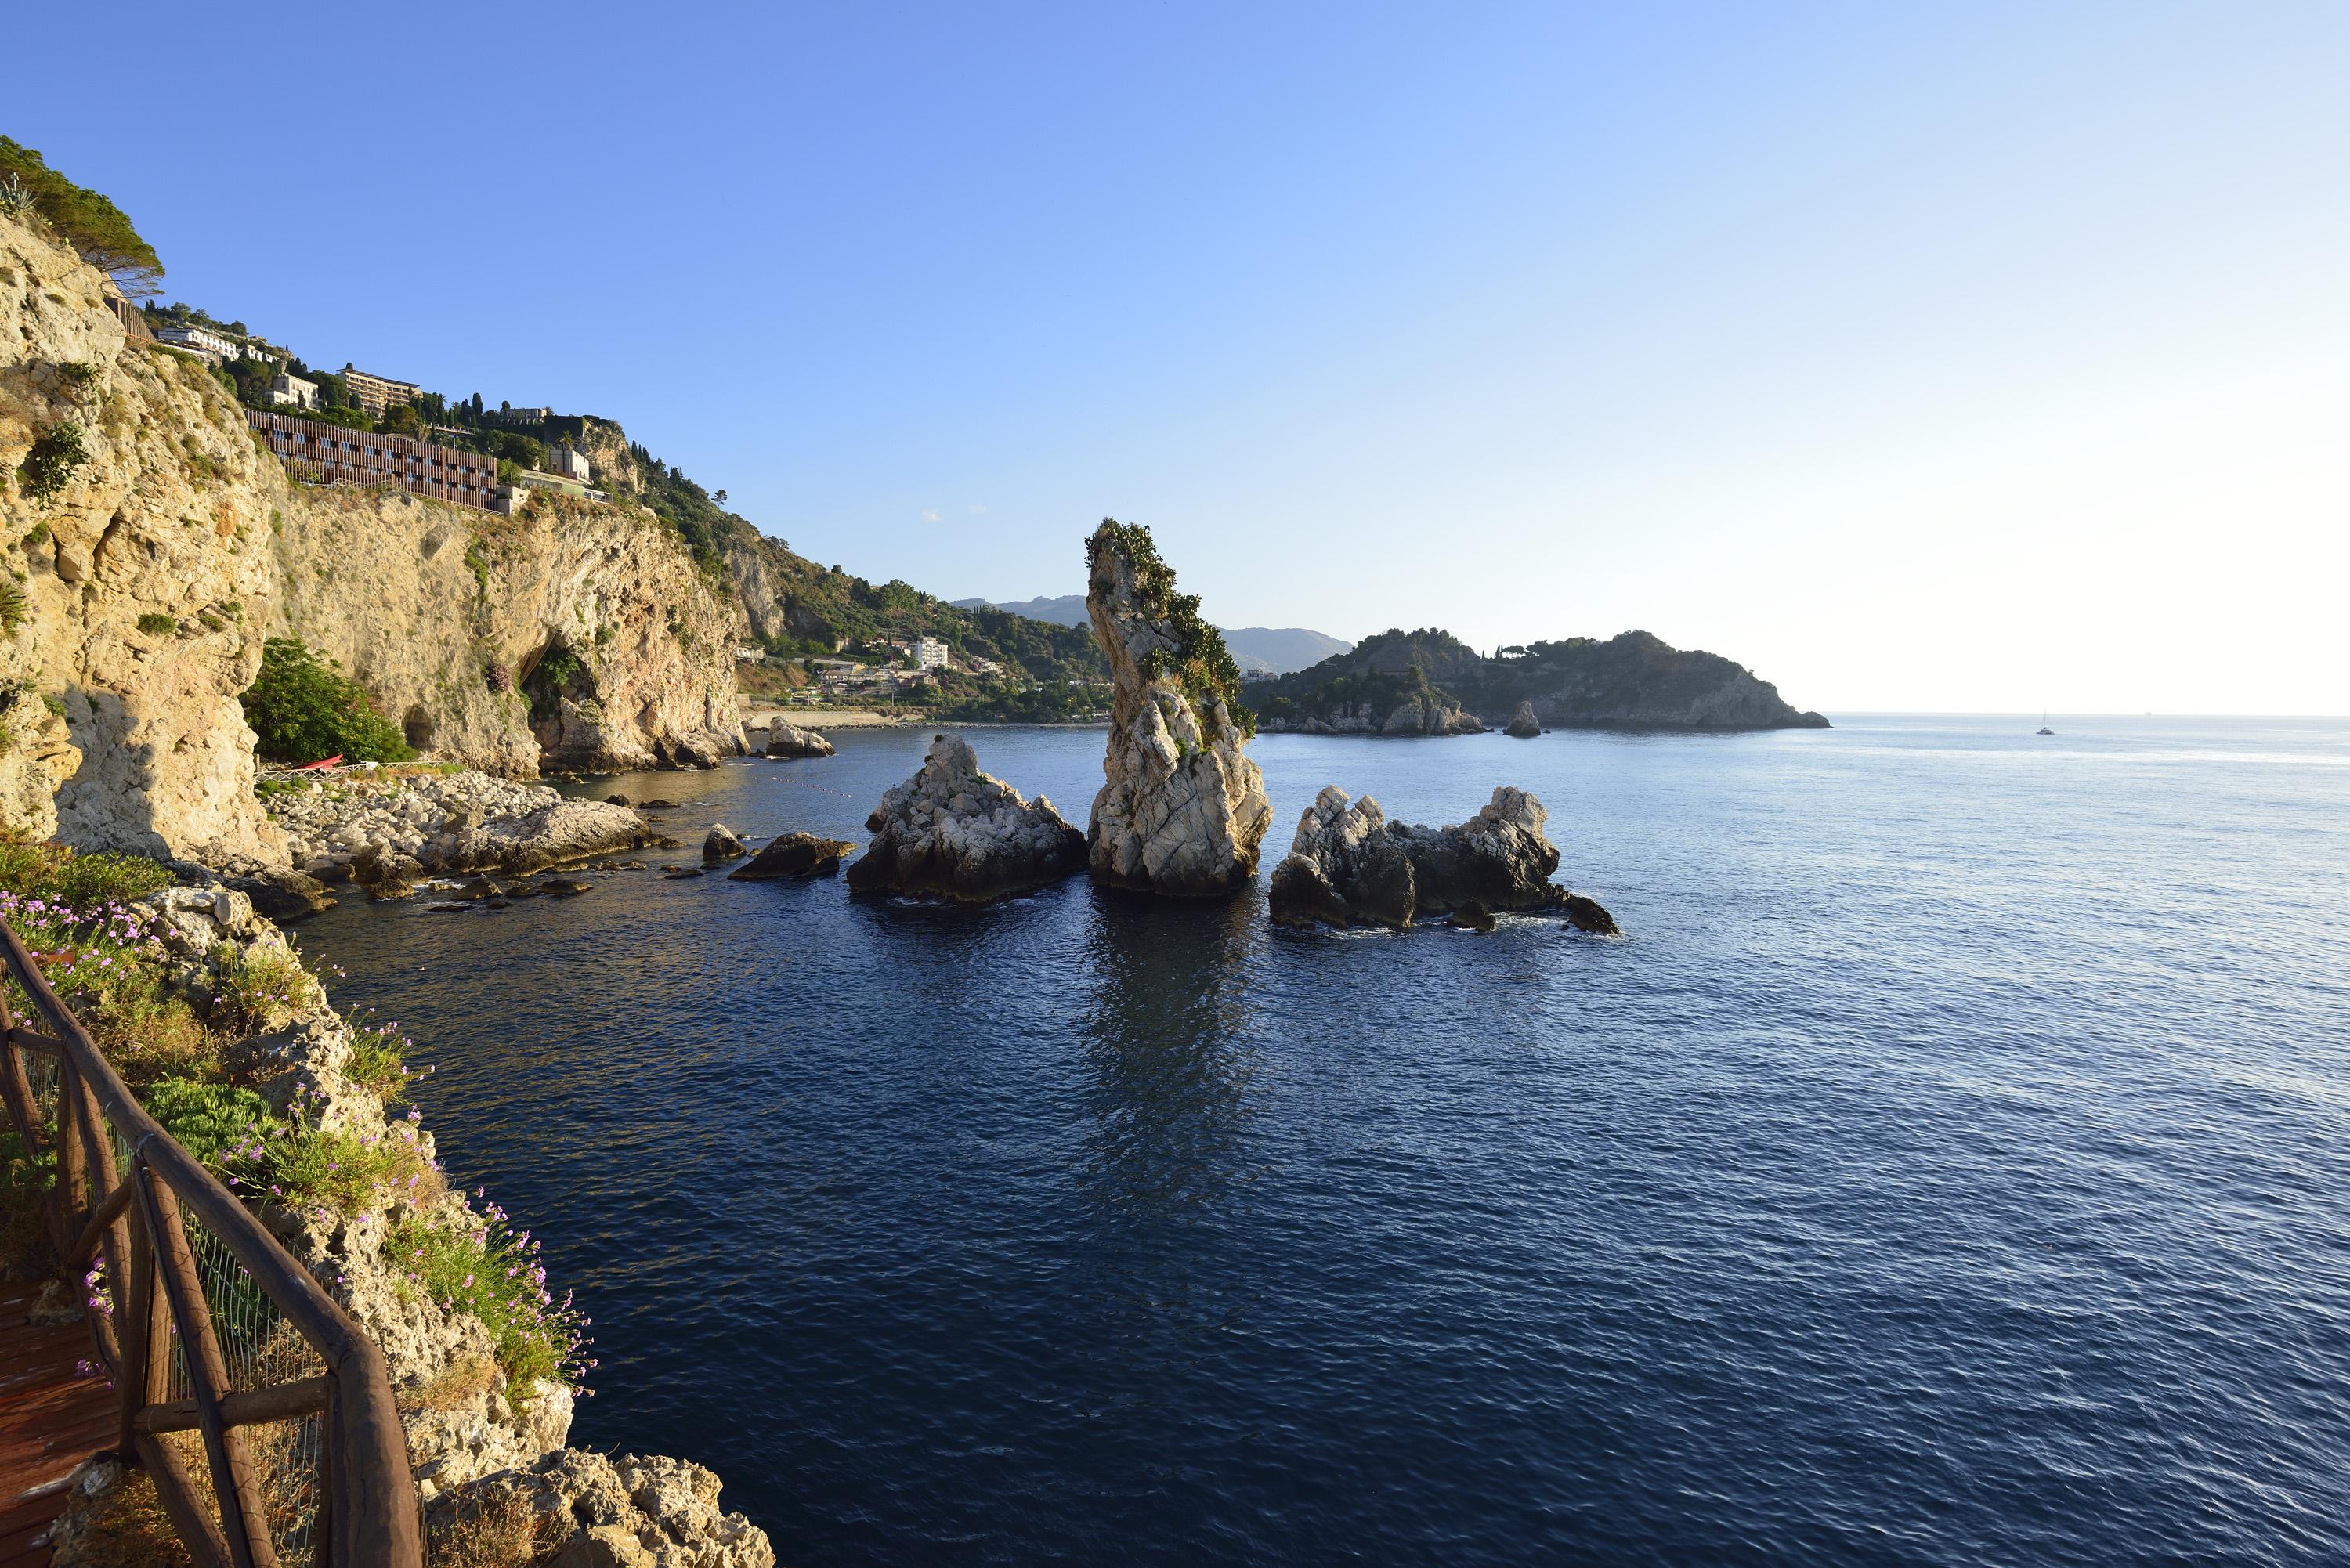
{"x":480,"y":1433}
{"x":387,"y":830}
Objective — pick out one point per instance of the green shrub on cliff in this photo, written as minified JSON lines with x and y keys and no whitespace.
{"x":1200,"y":661}
{"x":489,"y":1269}
{"x":51,"y":462}
{"x":100,"y":232}
{"x":302,"y":710}
{"x":208,"y":1118}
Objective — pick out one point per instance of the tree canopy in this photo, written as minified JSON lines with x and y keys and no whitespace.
{"x":99,"y":230}
{"x":302,"y":710}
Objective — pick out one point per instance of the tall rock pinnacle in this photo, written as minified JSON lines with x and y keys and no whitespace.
{"x":1182,"y":809}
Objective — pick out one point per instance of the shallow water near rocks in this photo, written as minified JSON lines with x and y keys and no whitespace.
{"x":1951,"y":1163}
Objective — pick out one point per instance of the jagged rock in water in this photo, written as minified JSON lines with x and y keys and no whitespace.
{"x":785,"y":739}
{"x":1471,"y":917}
{"x":1522,"y":723}
{"x":601,"y":1511}
{"x":284,"y":894}
{"x":1430,"y":713}
{"x":1585,"y":915}
{"x":1182,"y":810}
{"x":794,"y":856}
{"x":953,"y":832}
{"x":1343,"y":867}
{"x":1349,"y":866}
{"x":722,"y":845}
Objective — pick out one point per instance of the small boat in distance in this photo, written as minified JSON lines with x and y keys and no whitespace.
{"x":2044,"y":729}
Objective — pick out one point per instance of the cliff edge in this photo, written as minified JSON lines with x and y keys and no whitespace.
{"x":150,"y":543}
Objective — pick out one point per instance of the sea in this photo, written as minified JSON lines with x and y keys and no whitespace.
{"x":1948,"y":1164}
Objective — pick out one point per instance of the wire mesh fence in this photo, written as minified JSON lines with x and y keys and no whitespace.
{"x":260,"y":1350}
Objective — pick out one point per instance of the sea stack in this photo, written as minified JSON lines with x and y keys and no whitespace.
{"x":785,"y":739}
{"x":1182,"y":810}
{"x":1349,"y":866}
{"x":952,"y":832}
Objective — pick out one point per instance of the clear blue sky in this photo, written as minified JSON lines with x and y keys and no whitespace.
{"x":1969,"y":355}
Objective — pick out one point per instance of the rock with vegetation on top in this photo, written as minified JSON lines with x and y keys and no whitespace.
{"x":794,"y":856}
{"x":953,"y":832}
{"x":721,"y":844}
{"x":785,"y":739}
{"x":1182,"y":810}
{"x":1522,"y":723}
{"x":1429,"y":713}
{"x":1348,"y":865}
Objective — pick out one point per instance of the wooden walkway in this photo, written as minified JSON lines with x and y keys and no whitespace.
{"x":50,"y":1420}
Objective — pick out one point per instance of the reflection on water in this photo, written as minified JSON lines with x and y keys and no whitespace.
{"x":1167,"y":1046}
{"x":1923,"y":1179}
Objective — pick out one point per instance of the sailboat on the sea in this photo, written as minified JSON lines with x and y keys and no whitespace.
{"x":2044,"y":729}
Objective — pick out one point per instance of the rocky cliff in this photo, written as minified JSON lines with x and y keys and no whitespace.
{"x":134,"y":533}
{"x":1182,"y":809}
{"x":150,"y":546}
{"x":574,"y":635}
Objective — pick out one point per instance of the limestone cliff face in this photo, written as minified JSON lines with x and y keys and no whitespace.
{"x":1182,"y":809}
{"x":573,"y":635}
{"x":139,"y":586}
{"x":145,"y":578}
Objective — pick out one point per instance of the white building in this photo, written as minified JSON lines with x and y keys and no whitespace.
{"x":293,"y":390}
{"x":930,"y":653}
{"x":568,"y":461}
{"x":202,"y":340}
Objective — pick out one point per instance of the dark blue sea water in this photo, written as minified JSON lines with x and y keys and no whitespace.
{"x":1951,"y":1166}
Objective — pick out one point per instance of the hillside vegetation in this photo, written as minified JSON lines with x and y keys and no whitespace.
{"x":1632,"y":681}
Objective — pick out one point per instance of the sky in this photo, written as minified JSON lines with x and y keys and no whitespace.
{"x":1978,"y":357}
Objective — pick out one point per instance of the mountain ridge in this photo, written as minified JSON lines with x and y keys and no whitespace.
{"x":1257,"y":649}
{"x":1395,"y":682}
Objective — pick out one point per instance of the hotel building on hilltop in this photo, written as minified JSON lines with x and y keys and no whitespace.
{"x":316,"y":453}
{"x":377,"y":393}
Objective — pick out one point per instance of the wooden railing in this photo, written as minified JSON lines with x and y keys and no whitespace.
{"x":317,"y":1461}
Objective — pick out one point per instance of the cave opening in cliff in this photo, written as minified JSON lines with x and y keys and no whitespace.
{"x":555,"y":674}
{"x":416,"y":725}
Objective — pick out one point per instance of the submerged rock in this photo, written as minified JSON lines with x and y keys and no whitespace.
{"x":1523,"y":724}
{"x":785,"y":739}
{"x":953,"y":832}
{"x":1584,"y":915}
{"x":1182,"y":810}
{"x":722,"y":845}
{"x":1349,"y":866}
{"x":793,"y":856}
